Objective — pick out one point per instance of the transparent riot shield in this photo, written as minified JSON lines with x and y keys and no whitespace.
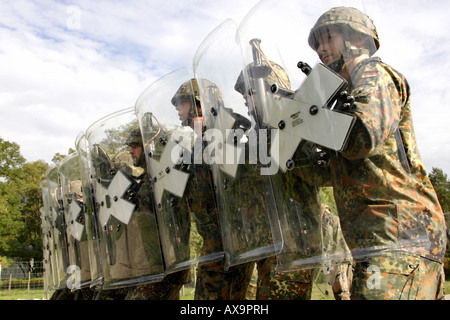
{"x":74,"y":214}
{"x":236,"y":151}
{"x":47,"y":240}
{"x":60,"y":244}
{"x":129,"y":236}
{"x":47,"y":273}
{"x":172,"y":132}
{"x":90,"y":218}
{"x":342,"y":113}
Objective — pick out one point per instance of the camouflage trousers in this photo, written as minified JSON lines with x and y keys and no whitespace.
{"x":336,"y":277}
{"x":217,"y":284}
{"x":112,"y":294}
{"x":168,"y":289}
{"x":67,"y":294}
{"x":398,"y":277}
{"x":287,"y":286}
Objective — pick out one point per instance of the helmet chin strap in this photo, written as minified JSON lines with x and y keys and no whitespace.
{"x":337,"y":65}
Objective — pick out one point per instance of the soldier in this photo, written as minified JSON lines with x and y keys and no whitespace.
{"x":384,"y":197}
{"x":213,"y":282}
{"x":294,"y":198}
{"x":169,"y":288}
{"x":129,"y":233}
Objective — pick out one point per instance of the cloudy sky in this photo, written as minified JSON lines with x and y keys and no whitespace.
{"x":66,"y":64}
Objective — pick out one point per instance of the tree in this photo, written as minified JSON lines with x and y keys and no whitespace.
{"x":58,"y":156}
{"x":26,"y":182}
{"x":11,"y":225}
{"x":10,"y":157}
{"x":442,"y":186}
{"x":20,"y":203}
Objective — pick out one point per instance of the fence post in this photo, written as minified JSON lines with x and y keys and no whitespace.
{"x":29,"y":279}
{"x":9,"y":287}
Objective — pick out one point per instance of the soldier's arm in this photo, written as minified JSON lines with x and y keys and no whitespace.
{"x":377,"y":107}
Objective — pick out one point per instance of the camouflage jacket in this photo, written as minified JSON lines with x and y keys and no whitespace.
{"x":383,"y":194}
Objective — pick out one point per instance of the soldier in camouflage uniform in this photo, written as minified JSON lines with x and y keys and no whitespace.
{"x":213,"y":282}
{"x":383,"y":194}
{"x":169,"y":288}
{"x":294,"y":197}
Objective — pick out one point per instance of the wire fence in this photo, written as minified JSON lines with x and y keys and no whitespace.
{"x":22,"y":280}
{"x":25,"y":281}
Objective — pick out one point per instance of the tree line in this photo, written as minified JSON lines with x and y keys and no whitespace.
{"x":21,"y":200}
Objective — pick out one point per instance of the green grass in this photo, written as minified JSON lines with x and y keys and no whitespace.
{"x":22,"y":294}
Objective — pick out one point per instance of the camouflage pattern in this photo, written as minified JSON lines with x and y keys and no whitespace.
{"x":299,"y":213}
{"x":129,"y":237}
{"x":189,"y":92}
{"x":63,"y":294}
{"x":67,"y":294}
{"x":74,"y":206}
{"x":447,"y":223}
{"x":187,"y":216}
{"x":397,"y":277}
{"x":167,"y":289}
{"x":272,"y":73}
{"x":112,"y":294}
{"x":295,"y":285}
{"x":384,"y":197}
{"x":373,"y":149}
{"x":214,"y":283}
{"x":344,"y":17}
{"x":134,"y":138}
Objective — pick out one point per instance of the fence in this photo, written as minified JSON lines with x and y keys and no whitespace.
{"x":22,"y":280}
{"x":25,"y":281}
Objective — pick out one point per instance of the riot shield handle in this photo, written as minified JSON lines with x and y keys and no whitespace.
{"x":306,"y":69}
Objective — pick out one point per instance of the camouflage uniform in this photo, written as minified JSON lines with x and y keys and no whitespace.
{"x":213,"y":282}
{"x":384,"y":198}
{"x":294,"y":198}
{"x":170,"y":286}
{"x":112,"y":294}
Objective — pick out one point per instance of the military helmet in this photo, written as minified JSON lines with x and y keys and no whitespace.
{"x":190,"y":89}
{"x":213,"y":95}
{"x":270,"y":71}
{"x":345,"y":17}
{"x":134,"y":138}
{"x":76,"y":188}
{"x":186,"y":91}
